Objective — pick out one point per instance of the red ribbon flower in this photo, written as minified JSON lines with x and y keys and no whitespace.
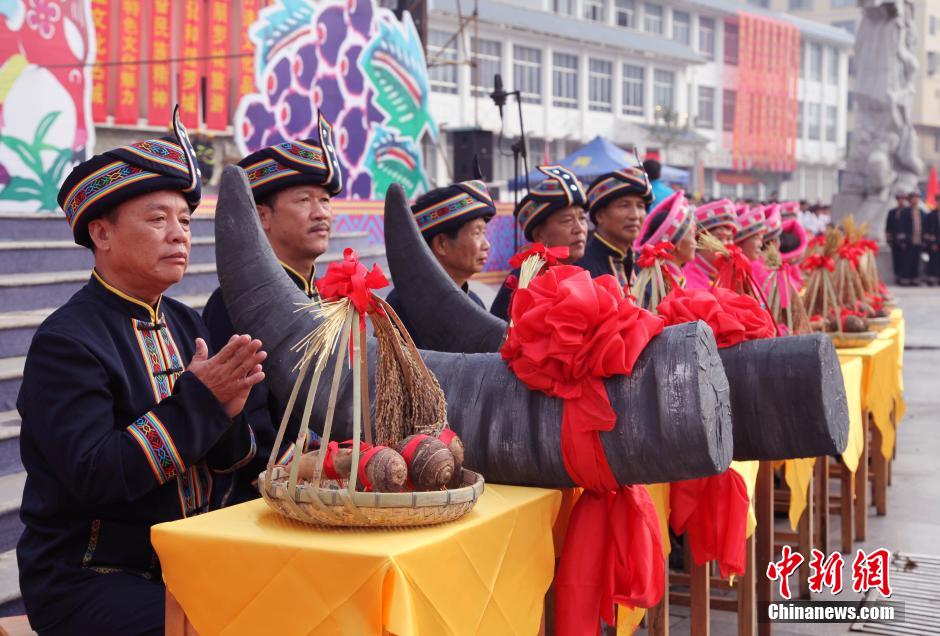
{"x":867,"y":245}
{"x":652,"y":253}
{"x":816,"y":261}
{"x":350,"y":279}
{"x":732,"y":317}
{"x":569,"y":333}
{"x":551,"y":255}
{"x":850,"y":252}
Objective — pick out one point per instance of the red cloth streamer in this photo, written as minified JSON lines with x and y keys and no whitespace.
{"x":366,"y":453}
{"x":408,"y":453}
{"x":816,"y":261}
{"x":569,"y":332}
{"x":551,"y":255}
{"x":446,"y":435}
{"x":867,"y":245}
{"x":850,"y":252}
{"x":329,"y":470}
{"x":350,"y":279}
{"x":713,"y":510}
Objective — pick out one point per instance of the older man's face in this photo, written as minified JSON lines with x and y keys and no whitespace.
{"x":147,"y":239}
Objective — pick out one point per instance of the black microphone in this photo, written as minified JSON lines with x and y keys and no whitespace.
{"x":498,"y":95}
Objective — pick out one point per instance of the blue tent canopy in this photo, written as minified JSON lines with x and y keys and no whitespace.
{"x":597,"y":157}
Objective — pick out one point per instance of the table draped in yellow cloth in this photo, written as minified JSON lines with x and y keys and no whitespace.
{"x":880,"y":373}
{"x":249,"y":570}
{"x":896,"y":333}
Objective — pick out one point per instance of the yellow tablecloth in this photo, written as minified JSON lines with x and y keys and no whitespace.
{"x":880,"y":374}
{"x":249,"y":570}
{"x":852,"y":370}
{"x":896,"y":333}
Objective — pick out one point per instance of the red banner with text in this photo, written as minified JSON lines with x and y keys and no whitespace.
{"x":100,"y":74}
{"x":191,"y":71}
{"x":217,"y":116}
{"x":160,"y":93}
{"x":127,"y":109}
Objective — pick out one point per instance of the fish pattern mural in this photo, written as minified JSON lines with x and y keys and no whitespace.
{"x":362,"y":68}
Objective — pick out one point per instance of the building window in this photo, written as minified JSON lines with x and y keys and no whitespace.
{"x":681,"y":27}
{"x":729,"y":104}
{"x":851,"y":66}
{"x":799,"y":120}
{"x":850,"y":102}
{"x":813,"y":121}
{"x":802,"y":59}
{"x":833,"y":66}
{"x":706,"y":37}
{"x":839,"y":4}
{"x":653,"y":18}
{"x":801,"y":5}
{"x":442,"y":61}
{"x":595,"y":10}
{"x":832,"y":116}
{"x":626,"y":13}
{"x":565,"y":80}
{"x":600,"y":85}
{"x":634,"y":83}
{"x":706,"y":107}
{"x":564,"y":7}
{"x":527,"y":73}
{"x":760,"y":3}
{"x":933,"y":25}
{"x":931,"y":62}
{"x":815,"y":62}
{"x":487,"y":54}
{"x":731,"y":44}
{"x":846,"y":25}
{"x":664,"y":90}
{"x":936,"y":141}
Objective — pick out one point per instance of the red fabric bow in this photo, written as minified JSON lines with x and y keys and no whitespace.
{"x":713,"y":510}
{"x":551,"y":255}
{"x":867,"y":245}
{"x":851,"y":253}
{"x":816,"y":261}
{"x":350,"y":279}
{"x":732,"y":317}
{"x":651,"y":253}
{"x":569,"y":333}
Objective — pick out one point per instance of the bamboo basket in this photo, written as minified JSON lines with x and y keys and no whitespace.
{"x":877,"y":324}
{"x":845,"y":340}
{"x":329,"y":502}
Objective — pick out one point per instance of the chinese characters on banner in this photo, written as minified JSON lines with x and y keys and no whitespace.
{"x":101,"y":16}
{"x":869,"y":571}
{"x":190,"y":79}
{"x":127,"y":109}
{"x":217,"y":76}
{"x":246,"y":75}
{"x":160,"y":94}
{"x":768,"y":66}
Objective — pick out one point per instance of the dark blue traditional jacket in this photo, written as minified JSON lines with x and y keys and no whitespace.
{"x":600,"y":257}
{"x":115,"y":438}
{"x":262,"y":408}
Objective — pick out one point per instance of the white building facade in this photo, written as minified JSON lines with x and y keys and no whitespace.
{"x":621,"y":69}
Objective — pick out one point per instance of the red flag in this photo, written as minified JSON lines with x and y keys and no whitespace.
{"x":160,"y":91}
{"x":933,"y":188}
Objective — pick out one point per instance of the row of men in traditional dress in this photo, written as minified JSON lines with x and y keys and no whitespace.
{"x":136,"y":410}
{"x":912,"y":231}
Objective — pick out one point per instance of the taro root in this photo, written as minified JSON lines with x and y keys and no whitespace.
{"x":385,"y":470}
{"x":430,"y":462}
{"x":855,"y":324}
{"x":455,"y":446}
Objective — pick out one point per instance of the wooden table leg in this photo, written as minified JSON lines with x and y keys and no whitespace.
{"x":747,"y":608}
{"x":846,"y":509}
{"x":701,"y":600}
{"x":805,"y":532}
{"x":822,"y":504}
{"x":879,"y":468}
{"x":764,"y":551}
{"x":861,"y":483}
{"x":657,"y":617}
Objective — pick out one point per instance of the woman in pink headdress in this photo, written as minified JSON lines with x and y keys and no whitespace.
{"x":718,"y":219}
{"x":666,"y":241}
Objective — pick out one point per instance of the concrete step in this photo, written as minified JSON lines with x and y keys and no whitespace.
{"x":10,"y":461}
{"x":50,"y":226}
{"x":11,"y":495}
{"x":23,"y":257}
{"x":31,"y":256}
{"x":17,"y":327}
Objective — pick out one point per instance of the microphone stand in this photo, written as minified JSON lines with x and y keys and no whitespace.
{"x":518,"y":152}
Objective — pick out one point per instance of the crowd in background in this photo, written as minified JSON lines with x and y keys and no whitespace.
{"x":912,"y":231}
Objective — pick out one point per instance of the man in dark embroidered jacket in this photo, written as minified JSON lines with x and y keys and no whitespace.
{"x":552,"y":214}
{"x":617,"y":203}
{"x":453,"y":221}
{"x":125,"y":416}
{"x":292,"y":184}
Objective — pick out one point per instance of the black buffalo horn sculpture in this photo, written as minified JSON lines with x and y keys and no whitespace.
{"x":787,"y":394}
{"x":673,"y":412}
